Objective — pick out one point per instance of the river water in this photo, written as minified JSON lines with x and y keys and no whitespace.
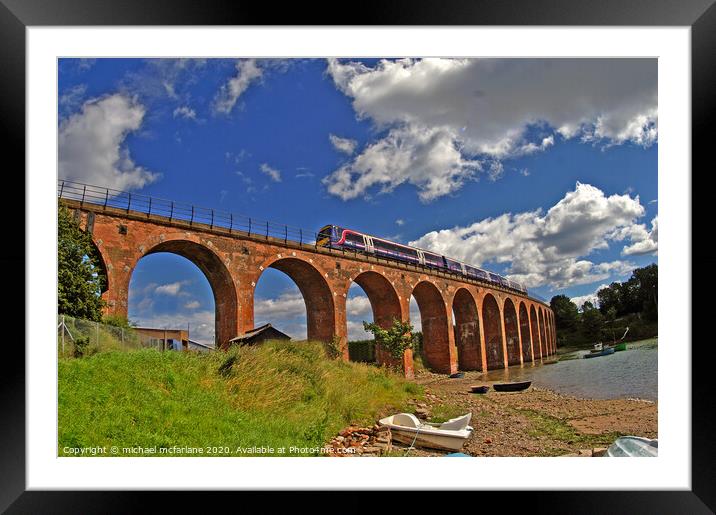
{"x":629,"y":373}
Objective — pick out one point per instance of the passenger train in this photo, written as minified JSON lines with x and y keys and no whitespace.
{"x":332,"y":236}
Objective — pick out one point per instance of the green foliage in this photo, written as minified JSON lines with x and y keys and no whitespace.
{"x":566,"y":312}
{"x":630,"y":304}
{"x":362,"y":351}
{"x":118,"y":321}
{"x":592,"y":321}
{"x":333,"y":348}
{"x":396,"y":340}
{"x":81,"y":346}
{"x":277,"y":394}
{"x":637,"y":295}
{"x":80,"y":279}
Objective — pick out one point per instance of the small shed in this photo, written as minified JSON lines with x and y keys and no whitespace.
{"x":258,"y":335}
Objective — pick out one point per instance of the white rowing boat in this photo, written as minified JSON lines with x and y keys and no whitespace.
{"x":450,"y":435}
{"x":633,"y":446}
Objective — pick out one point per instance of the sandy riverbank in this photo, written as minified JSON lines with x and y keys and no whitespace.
{"x":535,"y":422}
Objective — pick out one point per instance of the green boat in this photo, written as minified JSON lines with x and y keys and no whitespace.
{"x":620,"y":346}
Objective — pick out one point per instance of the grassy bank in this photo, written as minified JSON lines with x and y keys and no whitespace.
{"x":279,"y":395}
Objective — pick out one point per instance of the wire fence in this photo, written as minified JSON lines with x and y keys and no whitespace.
{"x":77,"y":337}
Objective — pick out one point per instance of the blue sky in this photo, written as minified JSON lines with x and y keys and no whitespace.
{"x":544,"y":170}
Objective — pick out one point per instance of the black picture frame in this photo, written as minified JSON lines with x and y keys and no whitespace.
{"x":17,"y":15}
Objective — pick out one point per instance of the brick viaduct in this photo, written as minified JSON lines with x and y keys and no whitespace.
{"x":494,"y":327}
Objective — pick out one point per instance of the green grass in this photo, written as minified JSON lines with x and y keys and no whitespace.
{"x":556,"y":429}
{"x":445,"y":411}
{"x":278,"y":394}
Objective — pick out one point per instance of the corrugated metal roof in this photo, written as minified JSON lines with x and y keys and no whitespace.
{"x":255,"y":331}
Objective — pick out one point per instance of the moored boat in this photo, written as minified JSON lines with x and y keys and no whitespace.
{"x":604,"y":352}
{"x":479,"y":389}
{"x":633,"y":447}
{"x":450,"y":435}
{"x":512,"y":387}
{"x":620,"y":346}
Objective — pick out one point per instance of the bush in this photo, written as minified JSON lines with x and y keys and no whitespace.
{"x":81,"y":346}
{"x":362,"y":351}
{"x":396,"y":340}
{"x":118,"y":321}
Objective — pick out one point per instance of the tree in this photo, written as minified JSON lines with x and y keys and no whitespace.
{"x":592,"y":321}
{"x":396,"y":340}
{"x":80,"y":279}
{"x":648,"y":280}
{"x":566,"y":314}
{"x":610,"y":319}
{"x":609,"y":297}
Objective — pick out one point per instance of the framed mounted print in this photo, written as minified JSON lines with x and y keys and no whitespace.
{"x":434,"y":235}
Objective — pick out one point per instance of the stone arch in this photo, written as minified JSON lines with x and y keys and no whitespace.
{"x":316,"y":293}
{"x":219,"y":278}
{"x":525,"y":331}
{"x":548,"y":326}
{"x":435,"y":325}
{"x":543,"y":332}
{"x":536,"y":337}
{"x":491,"y":319}
{"x":384,"y":303}
{"x":467,"y":331}
{"x":511,"y":332}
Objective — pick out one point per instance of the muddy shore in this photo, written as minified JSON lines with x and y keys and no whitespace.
{"x":534,"y":422}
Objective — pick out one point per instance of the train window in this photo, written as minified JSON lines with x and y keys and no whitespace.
{"x":392,"y":248}
{"x":354,"y":238}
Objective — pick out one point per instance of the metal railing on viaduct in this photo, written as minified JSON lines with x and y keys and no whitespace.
{"x":213,"y":218}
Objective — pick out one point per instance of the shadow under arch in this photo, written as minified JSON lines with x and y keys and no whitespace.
{"x":536,"y":337}
{"x":511,"y":333}
{"x":222,"y":284}
{"x":525,"y":331}
{"x":467,"y":331}
{"x":384,"y":303}
{"x":435,"y":326}
{"x":493,"y":332}
{"x":543,"y":329}
{"x":317,"y":296}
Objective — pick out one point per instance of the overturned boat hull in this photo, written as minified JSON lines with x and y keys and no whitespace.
{"x":512,"y":387}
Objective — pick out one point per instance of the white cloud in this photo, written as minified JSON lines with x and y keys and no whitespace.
{"x":194,"y":304}
{"x":400,"y":222}
{"x":359,"y":306}
{"x":345,"y":145}
{"x":288,"y":305}
{"x":643,"y":241}
{"x":590,"y":297}
{"x":477,"y":110}
{"x":247,"y":72}
{"x":426,"y":158}
{"x":356,"y":331}
{"x":171,"y":289}
{"x":91,"y":144}
{"x":273,"y":173}
{"x":546,"y":248}
{"x":185,"y":112}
